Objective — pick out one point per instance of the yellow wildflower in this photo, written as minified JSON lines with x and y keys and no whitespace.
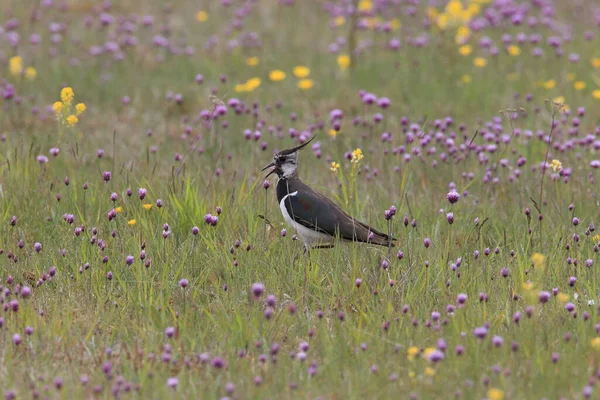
{"x":240,"y":87}
{"x":276,"y":75}
{"x":411,"y":374}
{"x":131,"y":222}
{"x":412,"y":352}
{"x":395,"y":24}
{"x":562,"y":297}
{"x":357,"y":155}
{"x":454,"y":8}
{"x":466,"y":78}
{"x":427,"y":351}
{"x":252,"y":61}
{"x":556,"y":165}
{"x":147,"y":206}
{"x":579,"y":85}
{"x":538,"y":260}
{"x":513,"y":50}
{"x":301,"y":71}
{"x":339,"y":20}
{"x":72,"y":120}
{"x":596,"y":238}
{"x":559,"y":100}
{"x":58,"y":107}
{"x":595,"y":62}
{"x":66,"y":95}
{"x":252,"y":84}
{"x":549,"y":84}
{"x":465,"y":50}
{"x":343,"y":61}
{"x":119,"y":209}
{"x":201,"y":16}
{"x":15,"y":65}
{"x":528,"y":285}
{"x":462,"y":34}
{"x":495,"y":394}
{"x":442,"y":21}
{"x":333,"y":133}
{"x":30,"y":73}
{"x":335,"y":167}
{"x":571,"y":76}
{"x":365,"y":5}
{"x":80,"y":108}
{"x":480,"y":62}
{"x":596,"y":94}
{"x":596,"y":343}
{"x":429,"y":371}
{"x":305,"y":84}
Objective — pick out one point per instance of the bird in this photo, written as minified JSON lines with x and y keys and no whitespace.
{"x":316,"y":219}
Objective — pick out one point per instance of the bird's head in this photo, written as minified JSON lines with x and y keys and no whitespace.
{"x":285,"y":162}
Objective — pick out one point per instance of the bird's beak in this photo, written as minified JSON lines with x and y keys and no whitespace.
{"x":272,"y":164}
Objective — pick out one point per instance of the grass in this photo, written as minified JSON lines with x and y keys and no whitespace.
{"x":187,"y":311}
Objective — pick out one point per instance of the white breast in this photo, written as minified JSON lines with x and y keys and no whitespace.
{"x":309,"y":236}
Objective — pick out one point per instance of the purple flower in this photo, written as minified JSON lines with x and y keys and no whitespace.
{"x":184,"y":283}
{"x":358,"y":282}
{"x":16,"y":339}
{"x":258,"y":289}
{"x":195,"y":230}
{"x":544,"y":297}
{"x":142,"y":193}
{"x":427,"y":242}
{"x":218,"y":363}
{"x":172,"y":383}
{"x":42,"y":159}
{"x":129,"y":260}
{"x":450,"y":218}
{"x":170,"y":332}
{"x":106,"y":175}
{"x":570,"y":307}
{"x":497,"y":341}
{"x":266,"y":184}
{"x":436,"y":356}
{"x":480,"y":332}
{"x":37,"y":246}
{"x":453,"y":196}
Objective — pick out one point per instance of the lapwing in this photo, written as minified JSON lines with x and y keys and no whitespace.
{"x":316,"y":219}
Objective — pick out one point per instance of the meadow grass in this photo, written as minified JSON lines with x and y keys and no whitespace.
{"x":118,"y":281}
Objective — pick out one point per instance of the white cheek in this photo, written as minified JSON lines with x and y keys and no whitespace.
{"x":288,"y":169}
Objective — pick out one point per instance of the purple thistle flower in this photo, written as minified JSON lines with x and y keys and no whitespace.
{"x":141,"y":193}
{"x":42,"y":159}
{"x":129,"y":260}
{"x":106,"y":175}
{"x":16,"y":339}
{"x":461,"y":299}
{"x":258,"y":289}
{"x":217,"y":363}
{"x":427,"y":242}
{"x":184,"y":283}
{"x":170,"y":332}
{"x":453,"y":196}
{"x":570,"y":307}
{"x":543,"y":297}
{"x":436,"y":356}
{"x":480,"y":332}
{"x":172,"y":383}
{"x":37,"y":246}
{"x":195,"y":230}
{"x":497,"y":341}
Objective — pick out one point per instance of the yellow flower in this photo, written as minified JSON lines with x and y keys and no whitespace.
{"x":429,"y":371}
{"x":595,"y":62}
{"x":305,"y":84}
{"x":513,"y":50}
{"x":333,"y":133}
{"x":395,"y":24}
{"x":466,"y":78}
{"x":559,"y":100}
{"x":66,"y":95}
{"x":252,"y":61}
{"x":365,"y":5}
{"x":15,"y":65}
{"x":131,"y":222}
{"x":556,"y":165}
{"x":411,"y":374}
{"x":571,"y":76}
{"x":201,"y":16}
{"x":147,"y":206}
{"x":412,"y":352}
{"x":596,"y":94}
{"x":118,"y":210}
{"x":58,"y":107}
{"x":240,"y":87}
{"x":596,"y":238}
{"x":495,"y":394}
{"x":465,"y":50}
{"x":343,"y":61}
{"x":528,"y":285}
{"x":72,"y":120}
{"x":442,"y":21}
{"x":480,"y":62}
{"x":538,"y":260}
{"x":80,"y":108}
{"x":30,"y":73}
{"x":252,"y":84}
{"x":579,"y":85}
{"x":427,"y":351}
{"x":276,"y":75}
{"x":549,"y":84}
{"x":357,"y":155}
{"x":301,"y":71}
{"x":562,"y":297}
{"x":596,"y":343}
{"x":339,"y":20}
{"x":335,"y":167}
{"x":462,"y":34}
